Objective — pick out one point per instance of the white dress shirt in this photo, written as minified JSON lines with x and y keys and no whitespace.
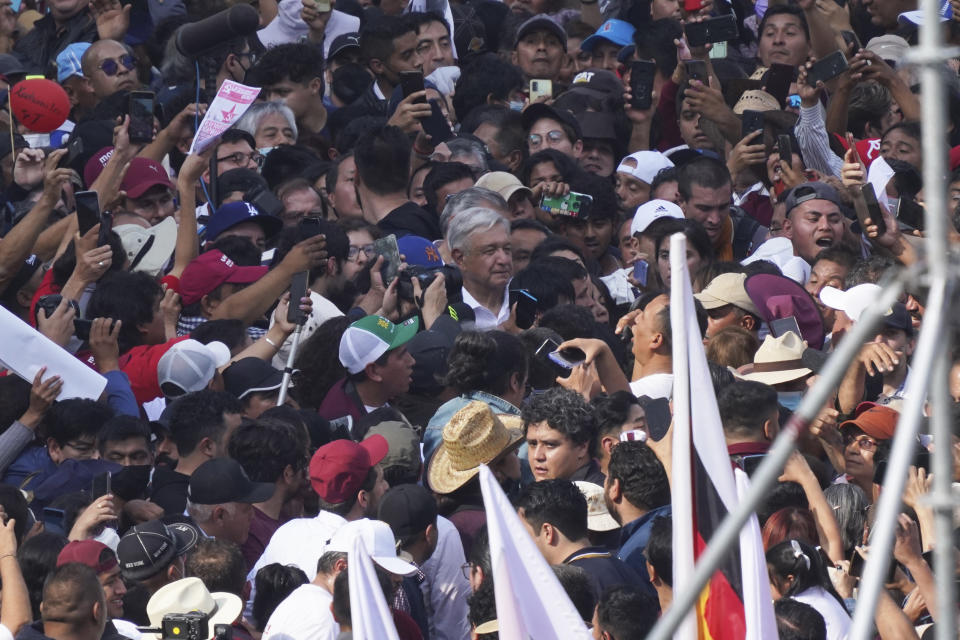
{"x":485,"y":320}
{"x":304,"y":615}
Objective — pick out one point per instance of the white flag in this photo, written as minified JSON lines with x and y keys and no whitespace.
{"x":530,"y":601}
{"x":369,"y":613}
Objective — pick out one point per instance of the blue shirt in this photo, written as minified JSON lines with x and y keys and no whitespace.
{"x":633,"y":541}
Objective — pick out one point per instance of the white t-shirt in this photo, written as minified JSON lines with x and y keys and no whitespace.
{"x":323,"y":310}
{"x":837,"y":619}
{"x":304,"y":615}
{"x":299,"y":542}
{"x":655,"y":385}
{"x":5,"y":633}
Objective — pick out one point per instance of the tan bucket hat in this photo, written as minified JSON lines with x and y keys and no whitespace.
{"x":779,"y":360}
{"x":598,"y":517}
{"x":474,"y":436}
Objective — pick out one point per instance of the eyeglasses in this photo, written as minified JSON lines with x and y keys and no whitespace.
{"x":553,"y":136}
{"x":241,"y":158}
{"x":865,"y":442}
{"x":465,"y":570}
{"x":354,"y":251}
{"x":248,"y":54}
{"x":111,"y":66}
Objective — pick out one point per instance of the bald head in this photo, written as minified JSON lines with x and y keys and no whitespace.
{"x":73,"y":603}
{"x":105,"y":66}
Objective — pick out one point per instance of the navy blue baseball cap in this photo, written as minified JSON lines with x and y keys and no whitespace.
{"x":419,"y":252}
{"x":234,"y":213}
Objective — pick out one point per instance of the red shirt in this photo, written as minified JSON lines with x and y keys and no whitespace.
{"x":140,"y":365}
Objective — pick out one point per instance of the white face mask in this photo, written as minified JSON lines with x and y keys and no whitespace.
{"x":265,"y":151}
{"x":516,"y":105}
{"x":790,"y":399}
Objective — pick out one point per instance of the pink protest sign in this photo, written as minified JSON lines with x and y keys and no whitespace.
{"x":232,"y":101}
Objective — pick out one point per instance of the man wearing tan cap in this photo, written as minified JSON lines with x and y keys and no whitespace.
{"x":519,"y":198}
{"x":727,"y":303}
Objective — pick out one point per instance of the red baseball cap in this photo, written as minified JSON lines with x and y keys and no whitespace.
{"x":89,"y":553}
{"x":142,"y":174}
{"x":876,"y":420}
{"x":338,"y":469}
{"x":209,"y":270}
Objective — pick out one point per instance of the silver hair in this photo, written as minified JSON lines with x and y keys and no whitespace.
{"x":469,"y":199}
{"x":260,"y":110}
{"x":201,"y":513}
{"x":849,"y":505}
{"x":460,"y":147}
{"x":470,"y":221}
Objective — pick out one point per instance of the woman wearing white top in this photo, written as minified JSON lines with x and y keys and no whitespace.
{"x":798,"y":571}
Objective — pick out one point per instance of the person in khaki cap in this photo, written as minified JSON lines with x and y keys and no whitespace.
{"x":519,"y":198}
{"x":474,"y":436}
{"x":727,"y":303}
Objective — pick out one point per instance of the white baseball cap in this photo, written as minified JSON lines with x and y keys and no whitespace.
{"x":854,"y":301}
{"x":148,"y":248}
{"x":377,"y":539}
{"x":190,"y":365}
{"x":653,"y":210}
{"x":648,"y":165}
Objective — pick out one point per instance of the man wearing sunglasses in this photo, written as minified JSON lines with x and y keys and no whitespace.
{"x":109,"y":67}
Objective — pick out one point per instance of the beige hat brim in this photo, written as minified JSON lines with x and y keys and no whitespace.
{"x":443,"y":478}
{"x":509,"y":192}
{"x":602,"y":522}
{"x":775,"y":377}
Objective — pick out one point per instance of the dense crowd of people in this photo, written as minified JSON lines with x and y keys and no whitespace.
{"x":438,"y":239}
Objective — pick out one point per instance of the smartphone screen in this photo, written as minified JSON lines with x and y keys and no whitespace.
{"x":785,"y":150}
{"x":752,"y":121}
{"x":641,"y":84}
{"x":298,"y":290}
{"x":780,"y":326}
{"x":74,"y":149}
{"x":778,"y":82}
{"x":53,"y":520}
{"x":696,"y":70}
{"x":526,"y":307}
{"x":436,"y":125}
{"x":411,"y":82}
{"x":640,"y":269}
{"x":872,"y":210}
{"x":141,"y":116}
{"x":100,"y":485}
{"x":910,"y":213}
{"x":387,"y":247}
{"x":827,"y":68}
{"x":88,"y":210}
{"x":106,"y":226}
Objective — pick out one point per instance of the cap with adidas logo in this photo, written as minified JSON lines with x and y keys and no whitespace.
{"x":653,"y":210}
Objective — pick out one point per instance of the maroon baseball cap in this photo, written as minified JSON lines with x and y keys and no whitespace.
{"x":209,"y":270}
{"x":89,"y":553}
{"x":338,"y":469}
{"x":142,"y":174}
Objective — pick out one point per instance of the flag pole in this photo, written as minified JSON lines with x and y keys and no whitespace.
{"x":681,"y":482}
{"x":767,"y":474}
{"x":930,"y":369}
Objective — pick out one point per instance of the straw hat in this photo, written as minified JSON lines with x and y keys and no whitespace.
{"x":474,"y":436}
{"x":190,"y":594}
{"x":598,"y":517}
{"x":779,"y":360}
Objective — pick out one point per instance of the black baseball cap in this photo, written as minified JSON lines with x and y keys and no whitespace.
{"x":149,"y":548}
{"x":539,"y":111}
{"x":541,"y":23}
{"x":408,"y":509}
{"x":596,"y":125}
{"x":597,"y":83}
{"x":811,"y":191}
{"x":251,"y":375}
{"x":343,"y":42}
{"x":223,"y":480}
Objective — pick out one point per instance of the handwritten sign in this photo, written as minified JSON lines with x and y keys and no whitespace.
{"x":41,"y":105}
{"x":232,"y":101}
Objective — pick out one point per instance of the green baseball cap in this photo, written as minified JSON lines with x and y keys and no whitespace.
{"x":372,"y":336}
